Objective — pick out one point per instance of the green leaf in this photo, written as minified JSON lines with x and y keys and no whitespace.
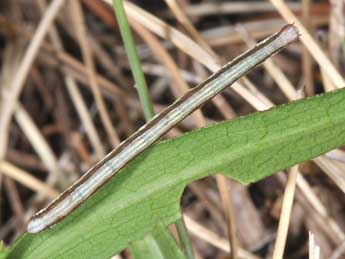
{"x":159,"y":245}
{"x":147,"y":192}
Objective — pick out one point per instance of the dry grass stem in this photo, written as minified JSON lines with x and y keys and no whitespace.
{"x":16,"y":203}
{"x":316,"y":204}
{"x":41,"y":147}
{"x":77,"y":17}
{"x":307,"y":61}
{"x":85,"y":118}
{"x":162,"y":29}
{"x":188,"y":25}
{"x":27,"y":180}
{"x":76,"y":96}
{"x":308,"y":41}
{"x":8,"y":104}
{"x":314,"y":249}
{"x":285,"y":214}
{"x":210,"y":237}
{"x":339,"y":252}
{"x":226,"y":34}
{"x":223,"y":187}
{"x":332,"y":170}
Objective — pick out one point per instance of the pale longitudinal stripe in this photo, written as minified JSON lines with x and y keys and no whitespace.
{"x":156,"y":127}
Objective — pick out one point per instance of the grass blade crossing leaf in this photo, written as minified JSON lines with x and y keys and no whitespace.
{"x":150,"y":243}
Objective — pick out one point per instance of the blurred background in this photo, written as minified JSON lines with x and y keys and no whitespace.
{"x":68,"y":98}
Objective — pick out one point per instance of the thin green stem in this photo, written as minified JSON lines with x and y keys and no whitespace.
{"x":184,"y":238}
{"x":145,"y":100}
{"x":134,"y":62}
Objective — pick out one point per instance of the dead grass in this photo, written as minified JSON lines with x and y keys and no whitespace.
{"x":67,"y":98}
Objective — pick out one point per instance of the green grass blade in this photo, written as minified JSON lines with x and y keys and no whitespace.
{"x":184,"y":238}
{"x":158,"y":245}
{"x":148,"y":190}
{"x":133,"y":59}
